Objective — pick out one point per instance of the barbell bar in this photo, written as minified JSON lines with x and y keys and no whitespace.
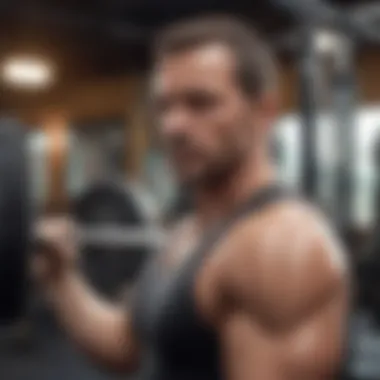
{"x":115,"y":237}
{"x":119,"y":237}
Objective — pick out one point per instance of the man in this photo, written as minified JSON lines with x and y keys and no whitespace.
{"x":266,"y":298}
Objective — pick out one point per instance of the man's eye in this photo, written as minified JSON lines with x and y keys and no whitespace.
{"x":200,"y":101}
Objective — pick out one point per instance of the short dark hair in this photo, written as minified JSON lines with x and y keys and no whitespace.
{"x":256,"y":68}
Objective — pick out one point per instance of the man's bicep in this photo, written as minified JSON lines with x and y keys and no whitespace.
{"x":294,"y":280}
{"x":314,"y":347}
{"x":309,"y":349}
{"x":296,"y":301}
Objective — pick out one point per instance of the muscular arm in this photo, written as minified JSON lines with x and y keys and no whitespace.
{"x":101,"y":330}
{"x":286,"y":318}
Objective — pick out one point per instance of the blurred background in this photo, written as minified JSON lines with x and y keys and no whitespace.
{"x":74,"y":75}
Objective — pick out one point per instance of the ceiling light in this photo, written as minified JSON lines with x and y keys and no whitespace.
{"x":23,"y":72}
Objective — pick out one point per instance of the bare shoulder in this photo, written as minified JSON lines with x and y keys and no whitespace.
{"x":287,"y":259}
{"x":313,"y":228}
{"x":295,"y":233}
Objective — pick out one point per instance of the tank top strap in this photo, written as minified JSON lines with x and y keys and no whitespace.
{"x":253,"y":204}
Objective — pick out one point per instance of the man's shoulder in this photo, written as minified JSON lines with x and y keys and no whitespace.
{"x":293,"y":231}
{"x":293,"y":213}
{"x":288,"y":252}
{"x":307,"y":233}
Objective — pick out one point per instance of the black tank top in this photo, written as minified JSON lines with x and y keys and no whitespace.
{"x":176,"y":344}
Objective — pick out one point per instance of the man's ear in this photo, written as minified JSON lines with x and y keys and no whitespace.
{"x":268,"y":103}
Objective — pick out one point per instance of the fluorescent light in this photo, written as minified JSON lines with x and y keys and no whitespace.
{"x":27,"y":72}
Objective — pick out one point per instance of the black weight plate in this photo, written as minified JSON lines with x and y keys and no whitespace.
{"x":14,"y":220}
{"x":107,"y":202}
{"x":109,"y":269}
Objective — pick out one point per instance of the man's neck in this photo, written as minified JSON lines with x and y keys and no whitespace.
{"x":214,"y":203}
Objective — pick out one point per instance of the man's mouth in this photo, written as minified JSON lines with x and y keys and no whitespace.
{"x":184,"y":154}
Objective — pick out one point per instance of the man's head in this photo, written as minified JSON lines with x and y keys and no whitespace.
{"x":212,"y":82}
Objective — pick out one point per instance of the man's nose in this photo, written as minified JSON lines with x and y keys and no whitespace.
{"x":176,"y":123}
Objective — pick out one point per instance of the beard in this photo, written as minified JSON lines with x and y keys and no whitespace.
{"x":214,"y":173}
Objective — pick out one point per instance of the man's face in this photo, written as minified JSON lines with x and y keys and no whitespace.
{"x":205,"y":121}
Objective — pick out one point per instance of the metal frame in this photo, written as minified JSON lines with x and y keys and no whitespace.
{"x":355,"y":21}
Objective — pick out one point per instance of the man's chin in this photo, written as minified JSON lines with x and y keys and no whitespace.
{"x":187,"y":181}
{"x":190,"y":179}
{"x":200,"y":180}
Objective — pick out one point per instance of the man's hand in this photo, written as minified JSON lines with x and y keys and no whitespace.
{"x":55,"y":250}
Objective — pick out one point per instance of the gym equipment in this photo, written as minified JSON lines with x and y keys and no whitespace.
{"x":15,"y":218}
{"x":108,"y":219}
{"x":347,"y":26}
{"x":344,"y":103}
{"x":106,"y":202}
{"x":308,"y":68}
{"x":108,"y":215}
{"x":114,"y":235}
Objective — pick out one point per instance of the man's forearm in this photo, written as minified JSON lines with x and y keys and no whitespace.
{"x":102,"y":330}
